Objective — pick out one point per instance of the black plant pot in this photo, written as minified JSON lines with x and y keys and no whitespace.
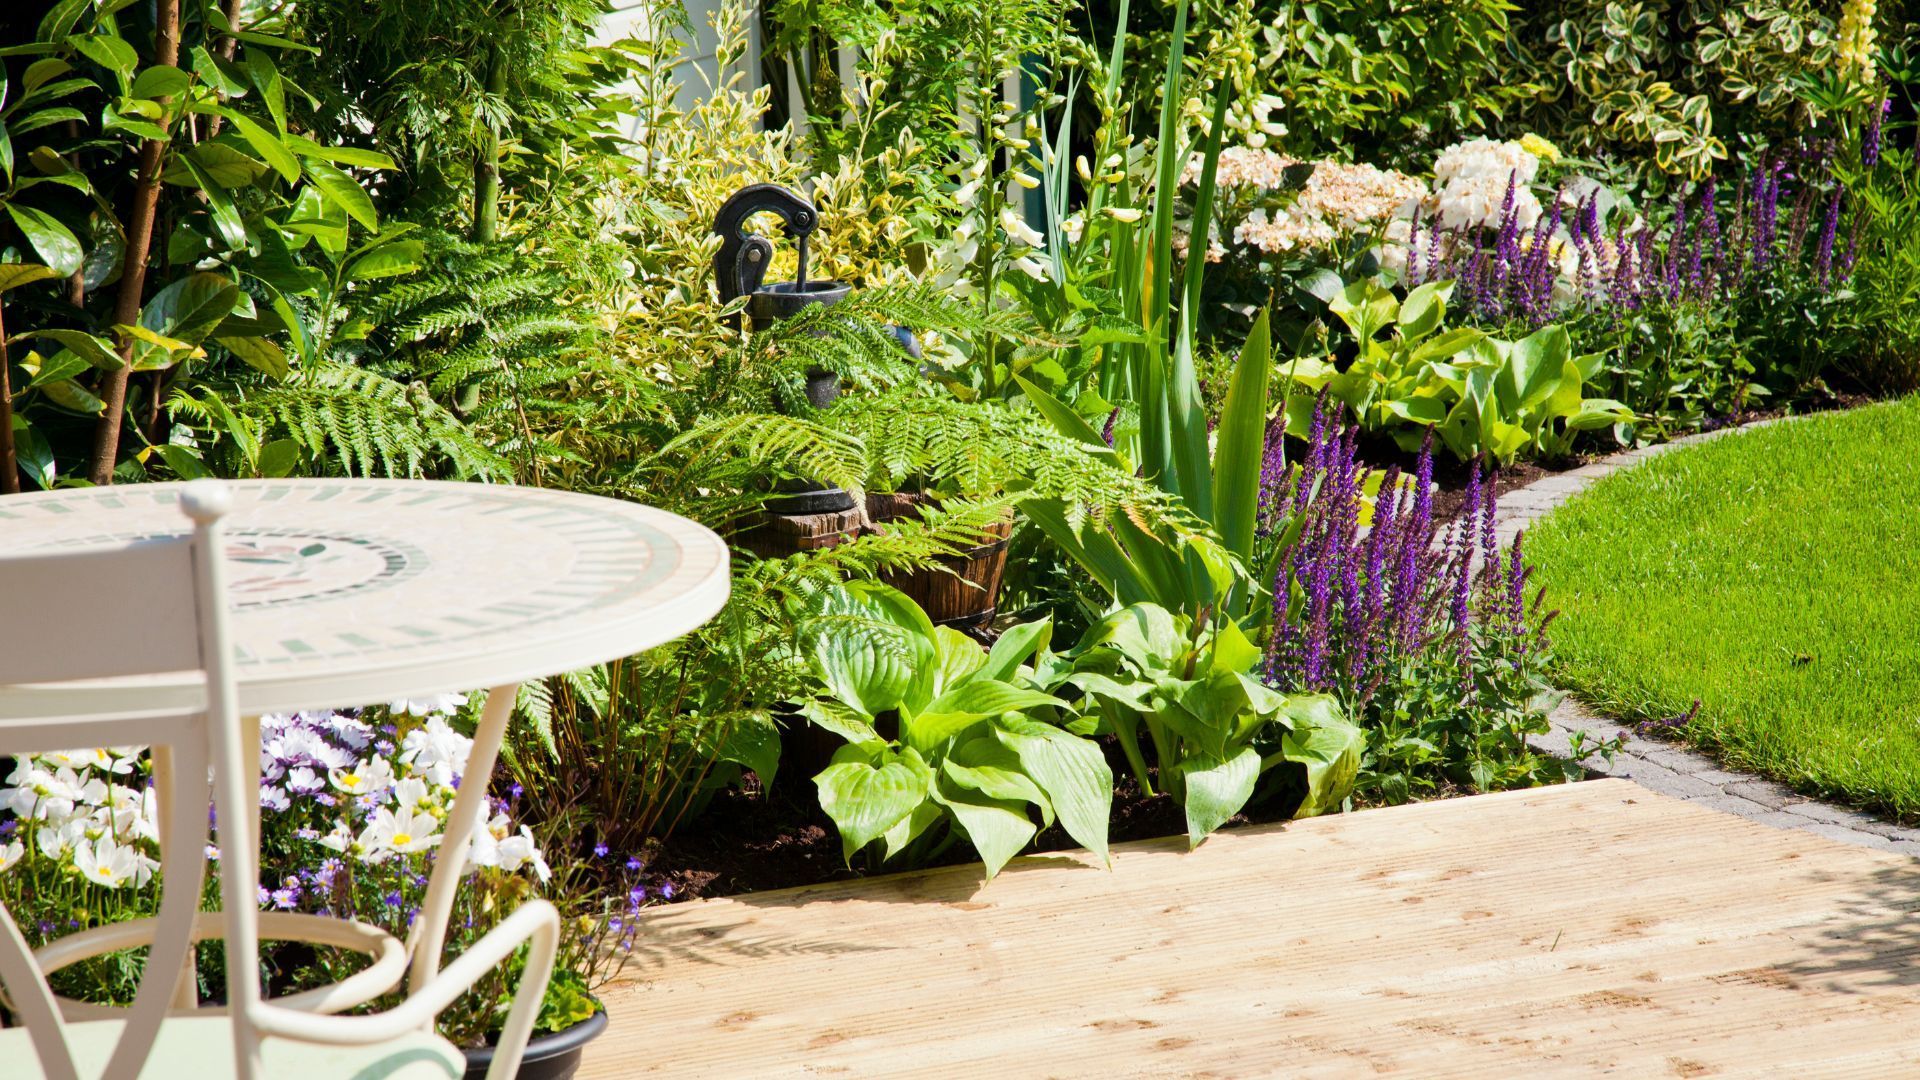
{"x":554,"y":1056}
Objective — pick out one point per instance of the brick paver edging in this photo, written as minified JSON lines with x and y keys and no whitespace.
{"x":1665,"y":767}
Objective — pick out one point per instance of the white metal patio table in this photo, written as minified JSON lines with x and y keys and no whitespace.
{"x":348,"y":592}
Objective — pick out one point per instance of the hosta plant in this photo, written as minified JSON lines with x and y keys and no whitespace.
{"x":945,"y":739}
{"x":1192,"y":695}
{"x":1482,"y":395}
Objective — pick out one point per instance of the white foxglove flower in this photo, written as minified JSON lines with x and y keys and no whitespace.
{"x":1020,"y":231}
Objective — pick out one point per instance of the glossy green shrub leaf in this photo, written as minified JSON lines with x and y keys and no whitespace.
{"x":265,"y":143}
{"x":346,"y":193}
{"x":54,"y":242}
{"x":160,"y":81}
{"x":189,"y":308}
{"x":92,"y":348}
{"x":14,"y":275}
{"x":387,"y":260}
{"x":259,"y":353}
{"x":71,"y":395}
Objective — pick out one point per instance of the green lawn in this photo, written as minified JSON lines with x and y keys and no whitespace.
{"x":1775,"y":576}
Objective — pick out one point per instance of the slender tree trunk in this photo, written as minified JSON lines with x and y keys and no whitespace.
{"x":9,"y":461}
{"x":228,"y":46}
{"x":133,"y":271}
{"x":486,"y":172}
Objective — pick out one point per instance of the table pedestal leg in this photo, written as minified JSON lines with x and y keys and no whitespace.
{"x":430,"y":932}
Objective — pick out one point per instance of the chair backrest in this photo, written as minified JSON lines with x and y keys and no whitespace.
{"x":124,"y":609}
{"x":131,"y":609}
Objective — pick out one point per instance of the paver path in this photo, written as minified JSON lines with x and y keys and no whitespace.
{"x":1665,"y":767}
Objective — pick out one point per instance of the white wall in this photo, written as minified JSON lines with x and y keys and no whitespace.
{"x":700,"y":69}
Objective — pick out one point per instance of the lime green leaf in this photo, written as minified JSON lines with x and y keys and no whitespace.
{"x":997,"y":828}
{"x":1014,"y":646}
{"x":1328,"y":746}
{"x":867,"y":798}
{"x":986,"y":765}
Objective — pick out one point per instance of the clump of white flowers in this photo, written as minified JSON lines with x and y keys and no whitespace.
{"x":335,"y":792}
{"x":87,"y":812}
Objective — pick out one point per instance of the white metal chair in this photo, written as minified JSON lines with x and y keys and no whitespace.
{"x":159,"y":606}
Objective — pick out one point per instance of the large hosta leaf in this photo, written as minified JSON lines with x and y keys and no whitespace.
{"x":870,"y":789}
{"x":1071,"y":770}
{"x":998,"y":828}
{"x":1328,"y":746}
{"x":1217,"y":789}
{"x":866,"y":655}
{"x":987,"y":766}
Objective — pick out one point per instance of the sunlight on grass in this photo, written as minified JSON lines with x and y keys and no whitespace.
{"x":1775,"y":576}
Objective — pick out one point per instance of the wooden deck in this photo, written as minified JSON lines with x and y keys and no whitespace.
{"x":1594,"y":928}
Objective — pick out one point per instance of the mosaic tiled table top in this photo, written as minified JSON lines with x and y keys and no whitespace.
{"x":390,"y":588}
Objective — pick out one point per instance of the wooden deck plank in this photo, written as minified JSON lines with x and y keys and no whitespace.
{"x":1581,"y":930}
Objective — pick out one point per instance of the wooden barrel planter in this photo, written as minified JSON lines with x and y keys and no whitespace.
{"x":965,"y":599}
{"x":775,"y":536}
